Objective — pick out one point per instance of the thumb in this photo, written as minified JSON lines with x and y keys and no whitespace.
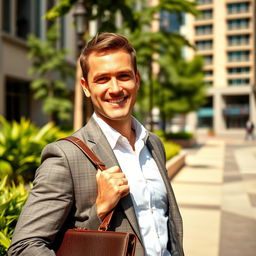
{"x":98,"y":174}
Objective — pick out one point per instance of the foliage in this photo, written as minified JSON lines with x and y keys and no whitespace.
{"x":182,"y":88}
{"x":48,"y":64}
{"x":101,"y":10}
{"x":171,"y":149}
{"x":12,"y":199}
{"x":21,"y":145}
{"x":179,"y":87}
{"x":174,"y":135}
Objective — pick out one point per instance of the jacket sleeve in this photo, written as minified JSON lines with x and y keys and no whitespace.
{"x":48,"y":206}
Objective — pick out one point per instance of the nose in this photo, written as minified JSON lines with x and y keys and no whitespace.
{"x":114,"y":86}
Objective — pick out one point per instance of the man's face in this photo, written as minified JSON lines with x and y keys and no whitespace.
{"x":112,"y":84}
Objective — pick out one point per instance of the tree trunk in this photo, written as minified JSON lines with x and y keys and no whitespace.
{"x":78,"y":104}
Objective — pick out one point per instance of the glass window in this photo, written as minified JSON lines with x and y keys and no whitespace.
{"x":204,"y":45}
{"x":17,"y":99}
{"x":238,"y":24}
{"x":238,"y":56}
{"x":208,"y":72}
{"x":238,"y":81}
{"x":208,"y":83}
{"x":238,"y":40}
{"x":6,"y":16}
{"x":204,"y":30}
{"x":238,"y":8}
{"x":204,"y":1}
{"x":37,"y":18}
{"x":207,"y":59}
{"x":205,"y":15}
{"x":239,"y":70}
{"x":23,"y":19}
{"x":170,"y":21}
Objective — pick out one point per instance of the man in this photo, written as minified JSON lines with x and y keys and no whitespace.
{"x":68,"y":192}
{"x":249,"y":127}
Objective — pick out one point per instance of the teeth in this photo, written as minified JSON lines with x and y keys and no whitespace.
{"x":116,"y":101}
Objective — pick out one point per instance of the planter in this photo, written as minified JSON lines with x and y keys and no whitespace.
{"x":185,"y":143}
{"x":211,"y":133}
{"x":175,"y":164}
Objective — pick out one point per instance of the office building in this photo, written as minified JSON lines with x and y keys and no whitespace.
{"x":18,"y":19}
{"x":224,"y":34}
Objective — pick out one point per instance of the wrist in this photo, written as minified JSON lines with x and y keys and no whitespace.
{"x":101,"y":210}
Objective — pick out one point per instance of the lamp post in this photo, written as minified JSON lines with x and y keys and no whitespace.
{"x":80,"y":22}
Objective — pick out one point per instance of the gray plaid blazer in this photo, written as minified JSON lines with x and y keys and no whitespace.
{"x":64,"y":193}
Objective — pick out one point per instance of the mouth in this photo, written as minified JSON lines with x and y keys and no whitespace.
{"x":117,"y":101}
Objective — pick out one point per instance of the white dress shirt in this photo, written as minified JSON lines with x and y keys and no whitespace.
{"x":147,"y":188}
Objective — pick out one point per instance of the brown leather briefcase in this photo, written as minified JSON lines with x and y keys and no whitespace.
{"x":78,"y":242}
{"x":84,"y":242}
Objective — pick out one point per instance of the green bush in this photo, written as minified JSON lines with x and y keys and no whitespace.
{"x":171,"y":149}
{"x":12,"y":199}
{"x":21,"y":145}
{"x":160,"y":133}
{"x":175,"y":135}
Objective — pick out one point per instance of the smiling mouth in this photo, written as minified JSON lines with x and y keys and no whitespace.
{"x":115,"y":101}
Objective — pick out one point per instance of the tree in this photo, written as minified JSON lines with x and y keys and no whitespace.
{"x":152,"y":47}
{"x":104,"y":11}
{"x":105,"y":14}
{"x":181,"y":87}
{"x":159,"y":47}
{"x":52,"y":71}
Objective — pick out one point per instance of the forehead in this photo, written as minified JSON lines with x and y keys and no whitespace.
{"x":105,"y":53}
{"x":109,"y":60}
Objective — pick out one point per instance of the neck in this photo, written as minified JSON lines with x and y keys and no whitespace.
{"x":124,"y":127}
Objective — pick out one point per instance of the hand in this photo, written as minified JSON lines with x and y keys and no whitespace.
{"x":112,"y":186}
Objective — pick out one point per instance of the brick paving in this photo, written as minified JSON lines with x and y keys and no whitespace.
{"x":216,"y":192}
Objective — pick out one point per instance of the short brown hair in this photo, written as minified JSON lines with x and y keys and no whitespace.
{"x":106,"y":42}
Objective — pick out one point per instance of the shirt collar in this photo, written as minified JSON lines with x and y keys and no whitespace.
{"x":113,"y":135}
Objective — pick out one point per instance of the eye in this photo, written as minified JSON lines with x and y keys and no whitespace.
{"x":124,"y":77}
{"x":102,"y":80}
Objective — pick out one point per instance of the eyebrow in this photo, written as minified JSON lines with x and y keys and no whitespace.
{"x":101,"y":74}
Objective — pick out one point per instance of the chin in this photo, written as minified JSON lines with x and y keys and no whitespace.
{"x":117,"y":116}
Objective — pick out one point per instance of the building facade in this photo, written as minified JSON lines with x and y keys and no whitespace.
{"x":224,"y":34}
{"x":18,"y":19}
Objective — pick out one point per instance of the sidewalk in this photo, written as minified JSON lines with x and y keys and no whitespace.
{"x":216,"y":192}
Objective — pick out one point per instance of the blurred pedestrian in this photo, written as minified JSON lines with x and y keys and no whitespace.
{"x":249,"y":127}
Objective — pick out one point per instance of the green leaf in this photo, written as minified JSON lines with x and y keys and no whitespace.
{"x":5,"y":168}
{"x":4,"y":240}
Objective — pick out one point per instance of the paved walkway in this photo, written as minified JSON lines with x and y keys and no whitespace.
{"x":216,"y":192}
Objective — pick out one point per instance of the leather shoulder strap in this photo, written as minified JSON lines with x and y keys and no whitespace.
{"x":99,"y":165}
{"x":87,"y":151}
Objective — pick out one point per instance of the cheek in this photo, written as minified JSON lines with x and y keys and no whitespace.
{"x":97,"y":94}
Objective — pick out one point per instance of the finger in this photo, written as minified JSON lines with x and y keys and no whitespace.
{"x":124,"y":190}
{"x":113,"y":169}
{"x":123,"y":181}
{"x":115,"y":176}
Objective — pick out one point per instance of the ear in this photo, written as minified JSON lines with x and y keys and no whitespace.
{"x":85,"y":87}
